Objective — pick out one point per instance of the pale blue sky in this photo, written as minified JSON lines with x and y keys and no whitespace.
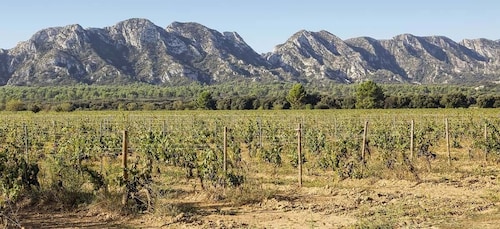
{"x":263,"y":23}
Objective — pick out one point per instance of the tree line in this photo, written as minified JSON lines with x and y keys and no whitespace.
{"x":247,"y":96}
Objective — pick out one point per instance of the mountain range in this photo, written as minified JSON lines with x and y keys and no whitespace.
{"x":136,"y":50}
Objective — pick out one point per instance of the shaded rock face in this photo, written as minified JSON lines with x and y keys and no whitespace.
{"x":136,"y":50}
{"x":405,"y":58}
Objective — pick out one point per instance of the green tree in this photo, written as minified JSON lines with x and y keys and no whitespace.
{"x":454,"y":100}
{"x":369,"y":95}
{"x":244,"y":103}
{"x":148,"y":107}
{"x":66,"y":107}
{"x":132,"y":106}
{"x":297,"y":96}
{"x":35,"y":108}
{"x":14,"y":105}
{"x":205,"y":101}
{"x":224,"y":104}
{"x":178,"y":105}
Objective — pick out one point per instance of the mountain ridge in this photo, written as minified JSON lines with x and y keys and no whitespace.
{"x":137,"y":50}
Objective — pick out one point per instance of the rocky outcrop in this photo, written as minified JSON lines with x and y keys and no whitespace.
{"x":405,"y":58}
{"x":221,"y":56}
{"x":136,"y":50}
{"x":318,"y":56}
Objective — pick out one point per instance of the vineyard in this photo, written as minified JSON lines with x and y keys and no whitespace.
{"x":204,"y":168}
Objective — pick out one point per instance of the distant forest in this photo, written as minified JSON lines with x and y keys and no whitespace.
{"x":247,"y":96}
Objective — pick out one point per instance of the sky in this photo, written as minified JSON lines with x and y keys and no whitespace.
{"x":263,"y":24}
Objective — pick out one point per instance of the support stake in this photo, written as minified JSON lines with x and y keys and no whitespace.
{"x":448,"y":141}
{"x":125,"y":174}
{"x":412,"y":132}
{"x":225,"y":150}
{"x":299,"y":152}
{"x":363,"y":146}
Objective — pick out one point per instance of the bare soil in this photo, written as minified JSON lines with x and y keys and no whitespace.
{"x":455,"y":200}
{"x":464,"y":195}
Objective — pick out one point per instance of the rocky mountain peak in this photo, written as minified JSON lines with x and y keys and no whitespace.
{"x":233,"y":36}
{"x":137,"y":50}
{"x":196,"y":32}
{"x":192,"y":27}
{"x":137,"y":32}
{"x":223,"y":46}
{"x":204,"y":39}
{"x":69,"y":37}
{"x":138,"y":25}
{"x":485,"y":50}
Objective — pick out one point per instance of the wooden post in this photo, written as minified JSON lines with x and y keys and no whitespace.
{"x":79,"y":153}
{"x":124,"y":152}
{"x":299,"y":152}
{"x":335,"y":128}
{"x":412,"y":132}
{"x":55,"y":136}
{"x":101,"y":145}
{"x":447,"y":140}
{"x":260,"y":133}
{"x":485,"y":131}
{"x":485,"y":142}
{"x":225,"y":150}
{"x":363,"y":146}
{"x":125,"y":174}
{"x":393,"y":122}
{"x":25,"y":128}
{"x":164,"y":128}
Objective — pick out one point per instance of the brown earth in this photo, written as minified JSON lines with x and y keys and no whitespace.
{"x":443,"y":201}
{"x":464,"y":195}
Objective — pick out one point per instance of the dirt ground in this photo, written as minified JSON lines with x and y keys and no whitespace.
{"x":462,"y":199}
{"x":464,"y":195}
